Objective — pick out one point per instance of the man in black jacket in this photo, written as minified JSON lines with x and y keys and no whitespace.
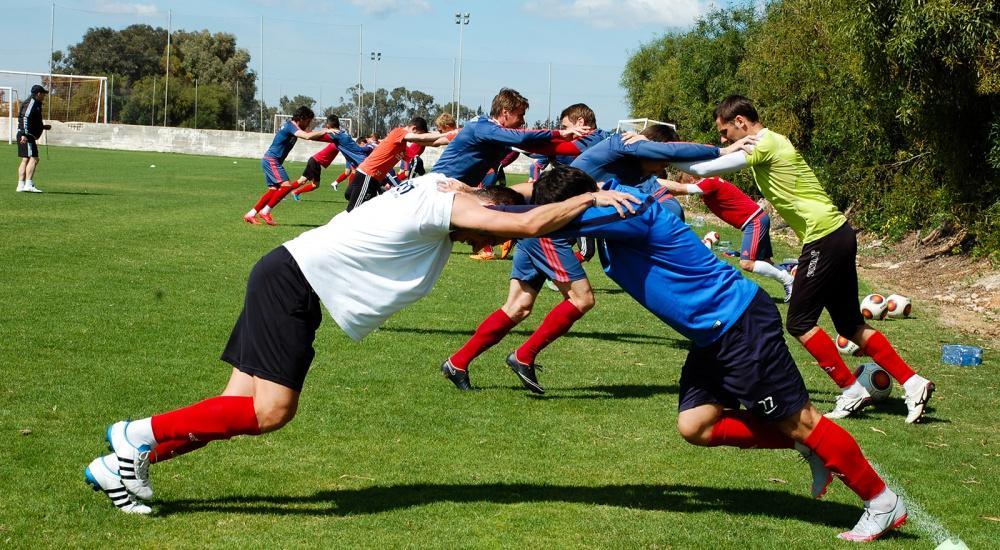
{"x":29,"y":130}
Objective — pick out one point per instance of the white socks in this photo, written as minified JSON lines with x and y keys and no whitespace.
{"x":768,"y":270}
{"x":914,"y":384}
{"x":265,"y":210}
{"x":140,"y":432}
{"x":855,"y":389}
{"x":883,"y":502}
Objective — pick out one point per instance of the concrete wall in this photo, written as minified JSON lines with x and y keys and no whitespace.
{"x":219,"y":143}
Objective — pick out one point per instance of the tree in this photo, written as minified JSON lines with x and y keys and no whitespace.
{"x":288,"y":106}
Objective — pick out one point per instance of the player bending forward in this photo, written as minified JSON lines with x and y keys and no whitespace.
{"x":363,"y":267}
{"x":738,"y":355}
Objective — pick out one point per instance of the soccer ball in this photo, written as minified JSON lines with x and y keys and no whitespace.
{"x":898,"y":306}
{"x":876,"y":380}
{"x":874,"y":307}
{"x":712,"y":236}
{"x":847,"y":347}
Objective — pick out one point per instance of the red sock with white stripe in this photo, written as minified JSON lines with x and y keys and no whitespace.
{"x":264,"y":199}
{"x":881,"y":351}
{"x":841,"y":454}
{"x":487,"y":334}
{"x":825,"y":351}
{"x":744,"y":430}
{"x":209,"y":420}
{"x":555,"y":324}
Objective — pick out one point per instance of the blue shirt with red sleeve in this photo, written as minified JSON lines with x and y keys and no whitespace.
{"x":353,"y":153}
{"x":481,"y":145}
{"x":612,"y":159}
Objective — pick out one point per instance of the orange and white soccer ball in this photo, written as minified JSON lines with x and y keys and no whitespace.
{"x":712,"y":236}
{"x":874,"y":307}
{"x":898,"y":307}
{"x":847,"y":347}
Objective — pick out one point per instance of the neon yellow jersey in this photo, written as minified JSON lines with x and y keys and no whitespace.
{"x":785,"y":179}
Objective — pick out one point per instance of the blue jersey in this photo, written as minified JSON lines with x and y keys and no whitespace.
{"x":661,"y":263}
{"x":481,"y":145}
{"x":584,"y":143}
{"x":353,"y":153}
{"x":283,"y":142}
{"x":612,"y":159}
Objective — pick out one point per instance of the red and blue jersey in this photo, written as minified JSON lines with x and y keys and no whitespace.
{"x":726,"y":201}
{"x":353,"y":153}
{"x":481,"y":145}
{"x":283,"y":142}
{"x":612,"y":159}
{"x":581,"y":144}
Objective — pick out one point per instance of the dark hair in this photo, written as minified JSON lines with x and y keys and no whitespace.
{"x":579,"y":110}
{"x":333,"y":121}
{"x":561,"y":183}
{"x":509,"y":99}
{"x":661,"y":133}
{"x":419,"y":123}
{"x":733,"y":106}
{"x":500,"y":195}
{"x":303,"y":113}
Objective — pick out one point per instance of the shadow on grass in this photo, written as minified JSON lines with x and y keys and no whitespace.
{"x":633,"y":338}
{"x":663,"y":498}
{"x":624,"y":391}
{"x":309,"y":225}
{"x":84,"y":193}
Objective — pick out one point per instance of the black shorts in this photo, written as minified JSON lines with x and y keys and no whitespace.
{"x":28,"y":149}
{"x":827,"y":277}
{"x":313,"y":170}
{"x":750,"y":365}
{"x":274,"y":333}
{"x":362,"y":188}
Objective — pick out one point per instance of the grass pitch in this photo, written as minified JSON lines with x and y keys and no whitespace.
{"x":120,"y":286}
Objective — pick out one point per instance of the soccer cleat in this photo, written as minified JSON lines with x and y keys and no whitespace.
{"x":31,"y":189}
{"x":20,"y":187}
{"x":133,"y":462}
{"x":251,"y":219}
{"x":917,"y":402}
{"x":484,"y":255}
{"x":822,"y":477}
{"x":267,"y":218}
{"x":505,"y":249}
{"x":296,"y":196}
{"x":873,"y":525}
{"x":457,"y":376}
{"x":526,"y":373}
{"x":788,"y":292}
{"x":101,"y":477}
{"x":849,"y":403}
{"x":334,"y":185}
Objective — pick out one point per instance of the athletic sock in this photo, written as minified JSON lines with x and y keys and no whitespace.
{"x":883,"y":502}
{"x":555,"y":324}
{"x":881,"y":351}
{"x":841,"y":454}
{"x":823,"y":349}
{"x":140,"y":432}
{"x":768,"y":270}
{"x":487,"y":334}
{"x":264,"y":199}
{"x":343,"y":176}
{"x":215,"y":418}
{"x":173,"y":449}
{"x":744,"y":430}
{"x":29,"y":183}
{"x":277,"y":196}
{"x":305,"y":188}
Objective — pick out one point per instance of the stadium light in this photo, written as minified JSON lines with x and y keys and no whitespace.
{"x":376,"y":57}
{"x":462,"y":20}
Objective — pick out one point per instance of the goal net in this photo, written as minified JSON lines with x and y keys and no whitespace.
{"x":9,"y":108}
{"x":279,"y":121}
{"x":71,"y":98}
{"x":639,"y":124}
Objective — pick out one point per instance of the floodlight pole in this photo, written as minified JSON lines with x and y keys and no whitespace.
{"x":52,"y":43}
{"x":376,"y":57}
{"x":462,"y":20}
{"x":361,"y":62}
{"x":548,"y":117}
{"x":196,"y":104}
{"x":166,"y":84}
{"x":261,"y":129}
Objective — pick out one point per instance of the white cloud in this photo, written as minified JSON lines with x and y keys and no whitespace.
{"x":128,"y":8}
{"x":622,"y":13}
{"x":382,"y":7}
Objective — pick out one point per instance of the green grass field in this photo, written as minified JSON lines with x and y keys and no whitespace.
{"x":120,"y":286}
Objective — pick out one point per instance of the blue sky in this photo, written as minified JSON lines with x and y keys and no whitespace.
{"x":311,"y":46}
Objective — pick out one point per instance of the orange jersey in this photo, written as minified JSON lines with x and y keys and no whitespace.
{"x":390,"y":150}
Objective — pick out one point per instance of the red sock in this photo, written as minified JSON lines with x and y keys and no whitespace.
{"x":555,"y":324}
{"x":278,"y":195}
{"x":265,"y":198}
{"x":305,"y":188}
{"x":174,"y":449}
{"x":879,"y":349}
{"x":343,"y":176}
{"x":488,"y":333}
{"x":841,"y":454}
{"x":744,"y":430}
{"x":825,"y":351}
{"x":214,"y":418}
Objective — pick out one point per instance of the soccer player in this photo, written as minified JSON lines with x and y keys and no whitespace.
{"x":738,"y":355}
{"x":313,"y":173}
{"x":578,"y":114}
{"x":363,"y":267}
{"x":275,"y":176}
{"x":827,"y":277}
{"x":734,"y":207}
{"x":29,"y":131}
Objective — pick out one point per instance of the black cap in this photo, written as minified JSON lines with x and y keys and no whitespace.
{"x":37,"y":88}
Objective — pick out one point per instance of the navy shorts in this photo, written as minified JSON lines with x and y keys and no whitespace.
{"x":274,"y":333}
{"x":542,"y":258}
{"x":274,"y":172}
{"x":750,"y":365}
{"x":28,"y":149}
{"x":757,"y":239}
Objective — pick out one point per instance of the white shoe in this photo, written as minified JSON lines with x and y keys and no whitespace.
{"x":133,"y":462}
{"x":334,"y":185}
{"x":102,"y":477}
{"x":916,"y":402}
{"x":873,"y":525}
{"x":822,"y":477}
{"x":849,"y":403}
{"x":31,"y":189}
{"x":788,"y":292}
{"x":20,"y":187}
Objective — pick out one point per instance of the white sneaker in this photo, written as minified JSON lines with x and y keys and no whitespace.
{"x":334,"y":185}
{"x":31,"y":189}
{"x":20,"y":187}
{"x":822,"y":477}
{"x":133,"y":462}
{"x":917,"y":401}
{"x":103,"y":477}
{"x":849,"y":403}
{"x":788,"y":292}
{"x":873,"y":525}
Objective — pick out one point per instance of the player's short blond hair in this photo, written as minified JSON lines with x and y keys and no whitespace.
{"x":445,"y":121}
{"x":508,"y":99}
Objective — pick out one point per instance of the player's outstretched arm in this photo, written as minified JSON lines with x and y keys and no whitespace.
{"x":722,"y":165}
{"x":428,"y":138}
{"x":316,"y":135}
{"x":677,"y":188}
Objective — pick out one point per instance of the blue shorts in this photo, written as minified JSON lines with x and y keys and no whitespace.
{"x":750,"y":365}
{"x":274,"y":172}
{"x":757,"y":239}
{"x":542,"y":258}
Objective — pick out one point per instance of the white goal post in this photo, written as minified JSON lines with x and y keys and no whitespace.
{"x":72,"y":98}
{"x":639,"y":124}
{"x":10,"y":106}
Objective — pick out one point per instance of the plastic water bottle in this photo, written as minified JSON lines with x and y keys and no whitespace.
{"x":957,"y":354}
{"x":727,"y":244}
{"x":698,"y":221}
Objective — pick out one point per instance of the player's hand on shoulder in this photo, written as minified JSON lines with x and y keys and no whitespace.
{"x":576,"y":131}
{"x":745,"y":144}
{"x":452,"y":185}
{"x":621,"y":201}
{"x":628,"y":138}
